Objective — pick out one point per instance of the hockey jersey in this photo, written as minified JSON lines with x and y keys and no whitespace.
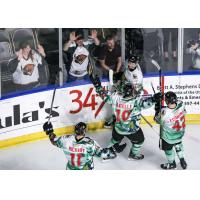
{"x":172,"y":123}
{"x":80,"y":153}
{"x":126,"y":111}
{"x":80,"y":62}
{"x":23,"y":74}
{"x":135,"y":77}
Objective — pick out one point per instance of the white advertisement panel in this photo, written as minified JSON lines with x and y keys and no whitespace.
{"x":26,"y":114}
{"x":187,"y":88}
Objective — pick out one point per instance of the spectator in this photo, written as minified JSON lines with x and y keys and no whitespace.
{"x":78,"y":52}
{"x":110,"y":56}
{"x":193,"y":48}
{"x":174,"y":36}
{"x":25,"y":66}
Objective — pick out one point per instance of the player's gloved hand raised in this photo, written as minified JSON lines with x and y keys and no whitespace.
{"x":48,"y":128}
{"x":117,"y":76}
{"x":157,"y":97}
{"x":96,"y":81}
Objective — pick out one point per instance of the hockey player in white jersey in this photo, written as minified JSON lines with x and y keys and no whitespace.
{"x":172,"y":122}
{"x":133,"y":73}
{"x":79,"y":149}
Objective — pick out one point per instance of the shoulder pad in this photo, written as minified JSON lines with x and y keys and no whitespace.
{"x":68,"y":136}
{"x":89,"y":139}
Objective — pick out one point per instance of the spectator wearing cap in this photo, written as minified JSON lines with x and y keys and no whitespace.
{"x":110,"y":56}
{"x":25,"y":66}
{"x":193,"y":48}
{"x":78,"y":52}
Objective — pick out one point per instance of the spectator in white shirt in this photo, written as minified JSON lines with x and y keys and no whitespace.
{"x":25,"y":66}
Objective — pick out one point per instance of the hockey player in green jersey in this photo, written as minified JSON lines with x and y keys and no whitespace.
{"x":78,"y":149}
{"x":172,"y":122}
{"x":127,"y":110}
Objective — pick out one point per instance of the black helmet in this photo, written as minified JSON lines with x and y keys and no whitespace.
{"x":127,"y":90}
{"x":170,"y":97}
{"x":80,"y":128}
{"x":133,"y":58}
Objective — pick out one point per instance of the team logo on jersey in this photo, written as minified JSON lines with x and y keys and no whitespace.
{"x":135,"y":76}
{"x":28,"y":69}
{"x":80,"y":58}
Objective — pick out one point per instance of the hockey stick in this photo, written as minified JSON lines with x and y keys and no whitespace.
{"x":111,"y":77}
{"x":153,"y":88}
{"x":144,"y":118}
{"x":161,"y":89}
{"x":53,"y":97}
{"x":160,"y":73}
{"x":90,"y":67}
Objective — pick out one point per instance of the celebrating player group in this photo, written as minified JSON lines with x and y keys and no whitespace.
{"x":127,"y":101}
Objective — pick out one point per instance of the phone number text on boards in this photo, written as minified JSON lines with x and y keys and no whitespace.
{"x":189,"y":103}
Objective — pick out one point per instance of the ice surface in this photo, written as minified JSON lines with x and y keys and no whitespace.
{"x":42,"y":154}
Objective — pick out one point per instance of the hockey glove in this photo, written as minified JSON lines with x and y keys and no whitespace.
{"x":117,"y":76}
{"x":157,"y":97}
{"x":117,"y":147}
{"x":48,"y":128}
{"x":95,"y":81}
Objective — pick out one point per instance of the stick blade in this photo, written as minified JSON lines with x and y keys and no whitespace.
{"x":156,"y":64}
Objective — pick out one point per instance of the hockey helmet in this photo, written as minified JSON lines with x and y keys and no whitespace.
{"x":134,"y":58}
{"x":127,"y":90}
{"x":132,"y":62}
{"x":170,"y":97}
{"x":80,"y":128}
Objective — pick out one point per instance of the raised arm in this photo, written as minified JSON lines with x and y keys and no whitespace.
{"x":72,"y":39}
{"x":147,"y":103}
{"x":48,"y":129}
{"x":100,"y":90}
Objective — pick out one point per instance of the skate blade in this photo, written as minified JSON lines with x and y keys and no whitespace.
{"x":135,"y":159}
{"x":105,"y":161}
{"x":132,"y":159}
{"x":170,"y":169}
{"x":108,"y":127}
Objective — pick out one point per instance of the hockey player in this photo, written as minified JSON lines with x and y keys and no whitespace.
{"x":133,"y":75}
{"x":78,"y":149}
{"x":127,"y":110}
{"x":172,"y":122}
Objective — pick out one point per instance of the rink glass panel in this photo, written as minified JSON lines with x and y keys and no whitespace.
{"x":191,"y":60}
{"x":146,"y":42}
{"x":102,"y":33}
{"x":10,"y":42}
{"x":149,"y":44}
